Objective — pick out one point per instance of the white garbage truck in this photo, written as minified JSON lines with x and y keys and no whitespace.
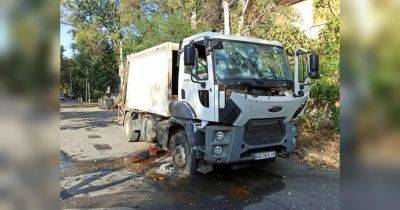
{"x":217,"y":99}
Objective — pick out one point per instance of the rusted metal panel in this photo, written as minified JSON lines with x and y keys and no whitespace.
{"x":149,"y":79}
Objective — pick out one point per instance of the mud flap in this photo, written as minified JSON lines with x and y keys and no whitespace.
{"x":205,"y":167}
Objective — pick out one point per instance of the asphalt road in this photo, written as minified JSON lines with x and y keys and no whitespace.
{"x":99,"y":169}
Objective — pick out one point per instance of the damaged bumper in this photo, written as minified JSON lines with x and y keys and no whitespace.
{"x":232,"y":144}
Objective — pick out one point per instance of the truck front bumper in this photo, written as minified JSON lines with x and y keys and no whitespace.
{"x":236,"y":146}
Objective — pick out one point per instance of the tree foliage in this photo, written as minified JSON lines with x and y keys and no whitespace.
{"x":326,"y":91}
{"x":96,"y":32}
{"x":150,"y":25}
{"x":65,"y":72}
{"x":99,"y":25}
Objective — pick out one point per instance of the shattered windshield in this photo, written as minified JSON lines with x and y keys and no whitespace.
{"x":244,"y":60}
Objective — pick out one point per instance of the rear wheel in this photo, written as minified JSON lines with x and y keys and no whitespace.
{"x":183,"y":159}
{"x":130,"y":134}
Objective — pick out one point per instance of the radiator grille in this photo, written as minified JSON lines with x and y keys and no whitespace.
{"x":264,"y":131}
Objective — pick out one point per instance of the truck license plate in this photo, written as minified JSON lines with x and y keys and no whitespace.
{"x":264,"y":155}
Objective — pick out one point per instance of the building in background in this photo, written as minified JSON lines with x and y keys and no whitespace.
{"x":307,"y":22}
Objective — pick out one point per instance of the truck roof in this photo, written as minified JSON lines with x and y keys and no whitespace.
{"x":152,"y":50}
{"x":216,"y":35}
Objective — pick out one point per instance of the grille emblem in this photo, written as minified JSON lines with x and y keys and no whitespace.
{"x":275,"y":109}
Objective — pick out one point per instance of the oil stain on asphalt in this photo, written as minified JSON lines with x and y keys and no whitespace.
{"x":220,"y":188}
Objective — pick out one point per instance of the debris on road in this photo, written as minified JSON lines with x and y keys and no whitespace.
{"x":155,"y":176}
{"x":164,"y":159}
{"x":165,"y":168}
{"x":153,"y":150}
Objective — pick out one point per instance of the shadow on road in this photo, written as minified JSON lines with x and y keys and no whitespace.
{"x":82,"y":187}
{"x":88,"y":120}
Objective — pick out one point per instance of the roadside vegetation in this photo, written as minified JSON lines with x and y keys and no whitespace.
{"x":99,"y":27}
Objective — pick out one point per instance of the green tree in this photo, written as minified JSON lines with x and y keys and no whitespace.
{"x":96,"y":31}
{"x":326,"y":90}
{"x":204,"y":15}
{"x":66,"y":69}
{"x":140,"y":24}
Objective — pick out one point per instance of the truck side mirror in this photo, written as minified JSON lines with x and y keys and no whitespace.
{"x":189,"y":55}
{"x":314,"y":66}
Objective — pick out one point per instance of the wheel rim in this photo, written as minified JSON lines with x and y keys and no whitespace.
{"x":180,"y":156}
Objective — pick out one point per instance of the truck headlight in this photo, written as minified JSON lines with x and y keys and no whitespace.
{"x":217,"y":150}
{"x":219,"y":135}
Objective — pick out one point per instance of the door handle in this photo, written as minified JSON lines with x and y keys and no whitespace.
{"x":183,"y":94}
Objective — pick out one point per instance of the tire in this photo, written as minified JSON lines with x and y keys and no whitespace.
{"x":130,"y":134}
{"x":183,"y":160}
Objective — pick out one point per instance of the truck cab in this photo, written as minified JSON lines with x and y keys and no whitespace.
{"x":240,"y":96}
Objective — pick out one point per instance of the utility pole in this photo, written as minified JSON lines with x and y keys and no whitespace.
{"x":225,"y":5}
{"x":86,"y":86}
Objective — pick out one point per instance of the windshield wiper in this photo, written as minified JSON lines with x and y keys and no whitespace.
{"x":272,"y":75}
{"x":249,"y":82}
{"x":272,"y":70}
{"x":259,"y":81}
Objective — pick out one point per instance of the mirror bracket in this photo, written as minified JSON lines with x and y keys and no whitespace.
{"x":202,"y":84}
{"x":299,"y":94}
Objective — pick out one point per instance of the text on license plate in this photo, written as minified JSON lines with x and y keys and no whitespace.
{"x":264,"y":155}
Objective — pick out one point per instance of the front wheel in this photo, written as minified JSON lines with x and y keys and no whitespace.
{"x":183,"y":158}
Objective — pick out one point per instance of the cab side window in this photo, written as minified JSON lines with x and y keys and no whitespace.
{"x":302,"y":69}
{"x":200,"y":67}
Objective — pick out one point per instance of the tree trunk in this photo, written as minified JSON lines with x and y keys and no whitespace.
{"x":193,"y":20}
{"x":227,"y":29}
{"x":245,"y":5}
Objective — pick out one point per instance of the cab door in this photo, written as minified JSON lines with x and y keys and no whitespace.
{"x":197,"y":86}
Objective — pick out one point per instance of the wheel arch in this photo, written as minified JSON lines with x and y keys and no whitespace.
{"x":128,"y":114}
{"x":173,"y":126}
{"x":173,"y":129}
{"x":182,"y":110}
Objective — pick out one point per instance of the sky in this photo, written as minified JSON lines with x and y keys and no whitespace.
{"x":66,"y":39}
